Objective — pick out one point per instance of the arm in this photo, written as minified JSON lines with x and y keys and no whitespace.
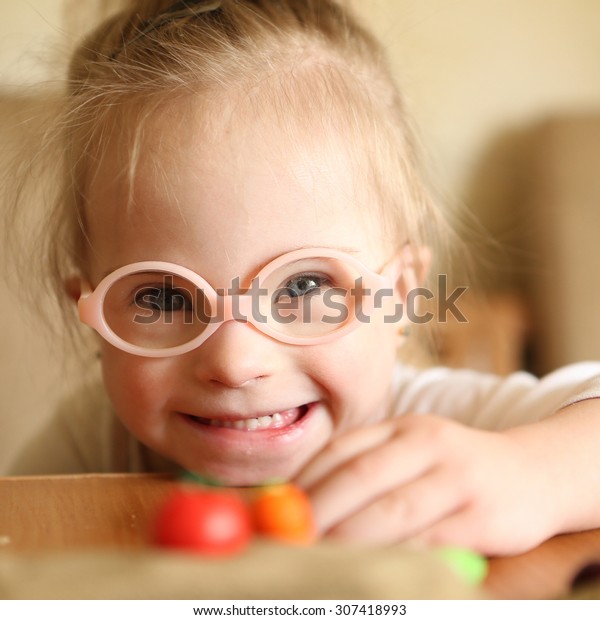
{"x":567,"y":446}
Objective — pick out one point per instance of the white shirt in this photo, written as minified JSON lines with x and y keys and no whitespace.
{"x":490,"y":402}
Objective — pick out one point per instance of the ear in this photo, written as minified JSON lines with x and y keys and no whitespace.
{"x":412,"y":266}
{"x":72,"y":288}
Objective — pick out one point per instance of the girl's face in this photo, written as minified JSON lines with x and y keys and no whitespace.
{"x":225,"y":208}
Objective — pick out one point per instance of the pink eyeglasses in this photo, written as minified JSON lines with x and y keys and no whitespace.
{"x":304,"y":297}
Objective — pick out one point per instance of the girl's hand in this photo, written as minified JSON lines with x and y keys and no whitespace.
{"x":435,"y":480}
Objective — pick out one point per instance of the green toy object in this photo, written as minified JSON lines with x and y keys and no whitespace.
{"x":471,"y":566}
{"x":196,"y":478}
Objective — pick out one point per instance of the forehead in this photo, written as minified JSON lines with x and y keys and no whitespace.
{"x":196,"y":184}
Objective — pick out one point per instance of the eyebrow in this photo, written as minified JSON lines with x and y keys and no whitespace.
{"x":346,"y":249}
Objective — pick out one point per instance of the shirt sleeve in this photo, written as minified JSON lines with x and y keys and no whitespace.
{"x":490,"y":402}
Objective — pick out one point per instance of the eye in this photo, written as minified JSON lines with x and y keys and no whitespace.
{"x":304,"y":284}
{"x":163,"y":298}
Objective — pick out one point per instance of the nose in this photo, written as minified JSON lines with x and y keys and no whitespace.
{"x":235,"y":356}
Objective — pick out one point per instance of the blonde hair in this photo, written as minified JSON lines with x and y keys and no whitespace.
{"x":325,"y":66}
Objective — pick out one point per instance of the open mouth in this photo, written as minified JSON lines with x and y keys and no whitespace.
{"x":273,"y":421}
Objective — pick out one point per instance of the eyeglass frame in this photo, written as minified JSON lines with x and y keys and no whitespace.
{"x":91,"y":302}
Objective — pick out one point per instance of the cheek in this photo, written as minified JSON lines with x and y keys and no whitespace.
{"x":138,"y":387}
{"x":355,"y":372}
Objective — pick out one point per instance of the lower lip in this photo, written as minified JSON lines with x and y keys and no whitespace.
{"x":257,"y":435}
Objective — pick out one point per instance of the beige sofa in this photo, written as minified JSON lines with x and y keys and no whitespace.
{"x":34,"y":370}
{"x":538,"y":192}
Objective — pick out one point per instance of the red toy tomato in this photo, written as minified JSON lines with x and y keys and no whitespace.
{"x":215,"y":523}
{"x":284,"y":512}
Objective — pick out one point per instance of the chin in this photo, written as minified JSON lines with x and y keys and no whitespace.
{"x":244,"y":476}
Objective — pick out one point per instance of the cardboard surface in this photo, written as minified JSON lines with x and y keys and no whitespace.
{"x":88,"y":536}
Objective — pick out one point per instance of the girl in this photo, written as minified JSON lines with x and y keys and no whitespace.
{"x":247,"y":228}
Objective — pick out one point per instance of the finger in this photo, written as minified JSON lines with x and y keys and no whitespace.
{"x":456,"y":530}
{"x":468,"y":528}
{"x":405,"y":511}
{"x":369,"y":476}
{"x":344,"y":449}
{"x":350,"y":445}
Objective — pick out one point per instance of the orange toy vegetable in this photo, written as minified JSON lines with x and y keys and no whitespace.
{"x":284,"y":512}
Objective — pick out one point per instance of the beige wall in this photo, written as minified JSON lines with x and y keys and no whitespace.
{"x":471,"y":70}
{"x":30,"y":34}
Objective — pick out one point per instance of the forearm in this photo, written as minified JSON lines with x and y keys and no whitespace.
{"x":567,"y":448}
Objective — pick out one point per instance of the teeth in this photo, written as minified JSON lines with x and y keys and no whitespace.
{"x":250,"y":424}
{"x":265,"y":421}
